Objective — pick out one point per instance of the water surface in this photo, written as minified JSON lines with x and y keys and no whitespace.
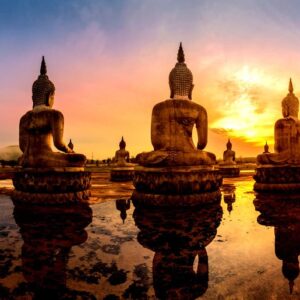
{"x":112,"y":251}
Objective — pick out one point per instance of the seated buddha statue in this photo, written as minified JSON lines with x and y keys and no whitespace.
{"x":122,"y":155}
{"x":172,"y":124}
{"x":266,"y":148}
{"x":228,"y":155}
{"x":42,"y":125}
{"x":287,"y":134}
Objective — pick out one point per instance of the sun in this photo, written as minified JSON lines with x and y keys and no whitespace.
{"x":247,"y":75}
{"x":242,"y":115}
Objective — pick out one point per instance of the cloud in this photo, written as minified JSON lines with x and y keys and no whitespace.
{"x":221,"y":131}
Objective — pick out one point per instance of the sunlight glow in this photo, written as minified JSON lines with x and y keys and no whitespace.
{"x":243,"y":114}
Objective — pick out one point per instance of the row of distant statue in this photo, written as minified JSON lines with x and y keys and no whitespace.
{"x":227,"y":166}
{"x":194,"y":176}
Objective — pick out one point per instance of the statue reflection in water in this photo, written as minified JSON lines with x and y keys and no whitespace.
{"x":228,"y":195}
{"x":123,"y":205}
{"x":49,"y":233}
{"x":178,"y":237}
{"x":284,"y":216}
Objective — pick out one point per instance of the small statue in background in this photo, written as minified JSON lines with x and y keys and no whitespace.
{"x":122,"y":155}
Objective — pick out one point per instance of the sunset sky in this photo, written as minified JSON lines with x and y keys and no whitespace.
{"x":110,"y":62}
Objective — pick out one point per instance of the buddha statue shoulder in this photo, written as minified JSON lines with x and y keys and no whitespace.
{"x":39,"y":126}
{"x":287,"y":134}
{"x":172,"y":124}
{"x":228,"y":155}
{"x":122,"y":155}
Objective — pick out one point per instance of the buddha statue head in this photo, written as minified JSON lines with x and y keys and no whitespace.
{"x":181,"y":78}
{"x":122,"y":144}
{"x":43,"y":89}
{"x":266,"y":148}
{"x":290,"y":104}
{"x":229,"y":145}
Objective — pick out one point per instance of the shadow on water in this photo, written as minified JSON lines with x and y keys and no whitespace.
{"x":283,"y":213}
{"x":49,"y":233}
{"x":179,"y":238}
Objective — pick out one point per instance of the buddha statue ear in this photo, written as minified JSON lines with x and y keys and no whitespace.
{"x":47,"y":100}
{"x":190,"y":92}
{"x":50,"y":99}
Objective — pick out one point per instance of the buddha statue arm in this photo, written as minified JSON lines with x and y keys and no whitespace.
{"x":201,"y":125}
{"x":23,"y":135}
{"x":57,"y":132}
{"x":282,"y":135}
{"x":157,"y":134}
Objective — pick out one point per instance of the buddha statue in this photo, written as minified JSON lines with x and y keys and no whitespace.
{"x":266,"y":148}
{"x":71,"y":145}
{"x":122,"y":156}
{"x":47,"y":177}
{"x":121,"y":169}
{"x":280,"y":171}
{"x":287,"y":134}
{"x":228,"y":166}
{"x":172,"y":125}
{"x":177,"y":172}
{"x":229,"y":155}
{"x":41,"y":125}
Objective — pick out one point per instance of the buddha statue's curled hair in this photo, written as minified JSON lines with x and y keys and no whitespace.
{"x":181,"y":78}
{"x":42,"y":88}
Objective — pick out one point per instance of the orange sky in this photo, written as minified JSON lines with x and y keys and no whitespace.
{"x":110,"y":66}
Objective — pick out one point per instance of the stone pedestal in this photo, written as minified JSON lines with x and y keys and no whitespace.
{"x":51,"y":186}
{"x":121,"y":174}
{"x":229,"y":171}
{"x":277,"y":178}
{"x":176,"y":186}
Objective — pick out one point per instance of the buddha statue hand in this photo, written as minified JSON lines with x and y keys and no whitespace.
{"x":69,"y":150}
{"x":199,"y":147}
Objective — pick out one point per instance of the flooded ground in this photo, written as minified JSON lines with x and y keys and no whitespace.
{"x":112,"y":251}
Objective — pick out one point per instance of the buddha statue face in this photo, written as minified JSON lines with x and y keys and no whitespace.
{"x":181,"y":78}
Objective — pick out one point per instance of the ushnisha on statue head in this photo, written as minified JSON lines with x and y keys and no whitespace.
{"x":43,"y":89}
{"x":181,"y":78}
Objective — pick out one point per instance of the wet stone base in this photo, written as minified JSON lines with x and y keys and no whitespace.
{"x":140,"y":199}
{"x":229,"y":171}
{"x":49,"y":187}
{"x":181,"y":186}
{"x":180,"y":180}
{"x":122,"y":174}
{"x":276,"y":178}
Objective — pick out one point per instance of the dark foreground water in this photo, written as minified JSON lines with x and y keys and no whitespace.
{"x":112,"y":251}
